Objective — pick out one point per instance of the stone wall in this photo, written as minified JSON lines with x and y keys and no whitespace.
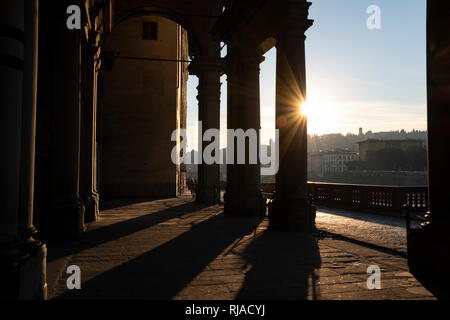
{"x":144,"y":102}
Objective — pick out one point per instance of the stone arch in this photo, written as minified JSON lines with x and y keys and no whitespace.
{"x":194,"y":43}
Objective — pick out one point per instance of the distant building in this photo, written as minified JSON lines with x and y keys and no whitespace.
{"x":330,"y":161}
{"x":376,"y":145}
{"x":361,"y":133}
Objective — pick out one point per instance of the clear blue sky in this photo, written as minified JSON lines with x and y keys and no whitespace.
{"x":356,"y":77}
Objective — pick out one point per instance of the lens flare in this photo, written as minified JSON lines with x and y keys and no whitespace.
{"x":318,"y":112}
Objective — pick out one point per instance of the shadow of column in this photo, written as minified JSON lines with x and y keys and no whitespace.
{"x":282,"y":266}
{"x":163,"y":272}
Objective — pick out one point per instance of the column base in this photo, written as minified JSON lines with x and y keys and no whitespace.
{"x":24,"y":278}
{"x":91,"y":207}
{"x":120,"y":191}
{"x":210,"y":195}
{"x":67,"y":221}
{"x":428,"y":258}
{"x":291,"y":215}
{"x":248,"y":207}
{"x":208,"y":185}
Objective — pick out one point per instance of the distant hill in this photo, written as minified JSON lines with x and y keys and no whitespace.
{"x":326,"y":142}
{"x":329,"y":142}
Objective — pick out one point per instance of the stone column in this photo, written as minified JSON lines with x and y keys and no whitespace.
{"x":290,"y":211}
{"x":67,"y":219}
{"x":26,"y":227}
{"x":99,"y":142}
{"x":438,"y":116}
{"x":22,"y":259}
{"x":35,"y":248}
{"x":11,"y":86}
{"x":88,"y":192}
{"x":429,"y":245}
{"x":243,"y":194}
{"x":208,"y":70}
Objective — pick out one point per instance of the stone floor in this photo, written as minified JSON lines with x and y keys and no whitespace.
{"x":177,"y":249}
{"x":384,"y":231}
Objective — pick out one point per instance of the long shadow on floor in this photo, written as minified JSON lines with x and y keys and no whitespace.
{"x":392,"y":221}
{"x":164,"y":271}
{"x":108,"y":204}
{"x":95,"y":237}
{"x":283,"y":266}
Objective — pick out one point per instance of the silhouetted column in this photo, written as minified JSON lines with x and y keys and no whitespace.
{"x":438,"y":31}
{"x":22,"y":259}
{"x":208,"y":71}
{"x":68,"y":215}
{"x":88,"y":192}
{"x":99,"y":142}
{"x":429,"y":245}
{"x":290,"y":209}
{"x":26,"y":227}
{"x":11,"y":85}
{"x":243,"y":194}
{"x":37,"y":287}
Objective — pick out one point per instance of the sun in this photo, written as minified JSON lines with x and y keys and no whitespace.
{"x":319,"y":113}
{"x":306,"y":108}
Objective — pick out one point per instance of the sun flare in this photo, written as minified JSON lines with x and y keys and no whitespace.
{"x":319,"y":112}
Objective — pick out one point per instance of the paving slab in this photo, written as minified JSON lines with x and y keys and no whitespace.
{"x":177,"y":249}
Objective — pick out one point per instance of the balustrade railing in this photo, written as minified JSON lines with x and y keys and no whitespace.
{"x":369,"y":197}
{"x":360,"y":197}
{"x":365,"y":197}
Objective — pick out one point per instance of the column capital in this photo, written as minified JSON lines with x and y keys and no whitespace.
{"x":208,"y":70}
{"x":252,"y":59}
{"x":293,"y":31}
{"x":243,"y":59}
{"x":206,"y":63}
{"x":208,"y":90}
{"x":293,"y":20}
{"x":295,"y":10}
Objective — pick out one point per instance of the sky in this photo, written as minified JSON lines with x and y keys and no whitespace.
{"x":356,"y":77}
